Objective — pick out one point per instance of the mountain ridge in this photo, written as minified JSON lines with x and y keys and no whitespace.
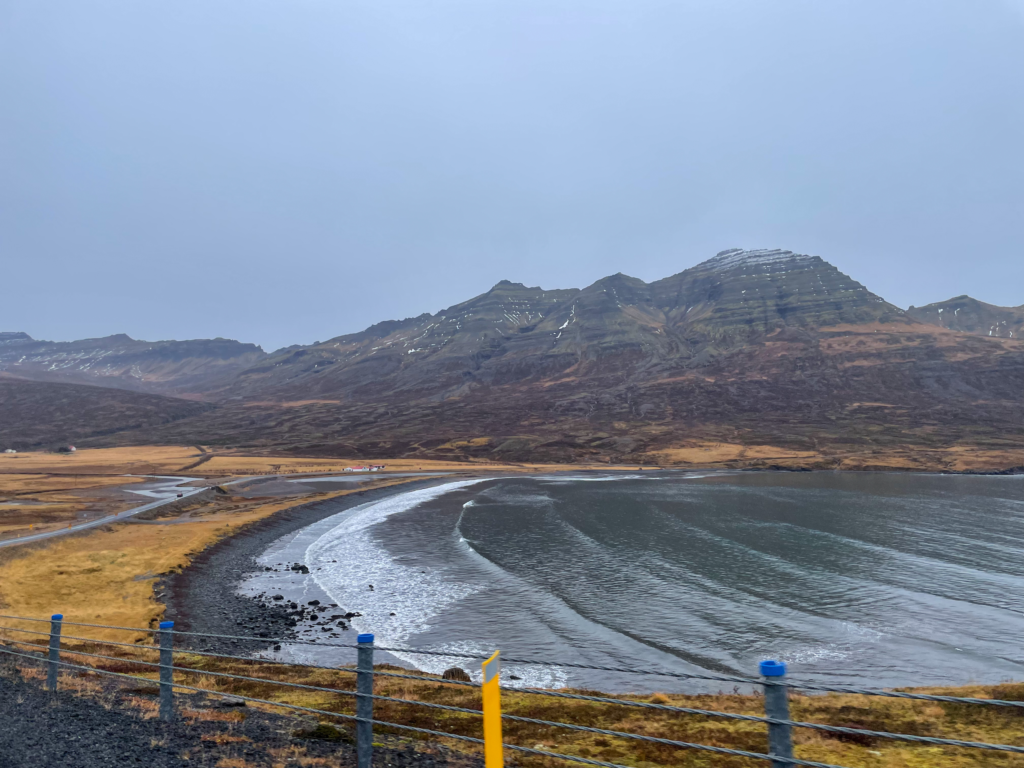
{"x":764,"y":348}
{"x":513,"y":331}
{"x":181,"y":368}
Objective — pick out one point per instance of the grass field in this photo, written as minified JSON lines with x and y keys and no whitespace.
{"x":227,"y":464}
{"x":952,"y":459}
{"x":106,"y":575}
{"x":719,"y":453}
{"x":142,"y":460}
{"x":145,"y":460}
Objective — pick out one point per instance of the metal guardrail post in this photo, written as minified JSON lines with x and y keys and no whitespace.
{"x":166,"y":671}
{"x":494,"y":756}
{"x":364,"y":704}
{"x":54,"y":655}
{"x":776,"y":706}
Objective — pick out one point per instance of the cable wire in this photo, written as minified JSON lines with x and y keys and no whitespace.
{"x":528,"y":750}
{"x":721,"y":678}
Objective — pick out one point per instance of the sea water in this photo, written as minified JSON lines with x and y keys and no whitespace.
{"x":859,"y":578}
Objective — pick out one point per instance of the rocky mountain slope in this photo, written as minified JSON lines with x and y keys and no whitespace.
{"x":181,"y":368}
{"x":765,"y":356}
{"x":972,"y":316}
{"x":770,"y":351}
{"x":619,"y":326}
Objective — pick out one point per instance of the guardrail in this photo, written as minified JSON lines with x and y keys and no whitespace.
{"x":772,"y":680}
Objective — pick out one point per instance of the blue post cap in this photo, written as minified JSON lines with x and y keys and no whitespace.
{"x":57,"y":617}
{"x":166,"y":624}
{"x":773,"y":668}
{"x":365,"y":638}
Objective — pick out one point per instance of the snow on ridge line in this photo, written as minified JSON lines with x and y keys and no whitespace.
{"x":738,"y":257}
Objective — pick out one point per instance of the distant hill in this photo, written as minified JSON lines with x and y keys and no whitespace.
{"x":45,"y":415}
{"x":169,"y":367}
{"x":963,"y":313}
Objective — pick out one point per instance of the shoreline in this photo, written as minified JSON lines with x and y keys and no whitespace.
{"x":202,"y":597}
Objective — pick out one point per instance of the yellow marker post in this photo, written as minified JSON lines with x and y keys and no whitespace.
{"x":493,"y":753}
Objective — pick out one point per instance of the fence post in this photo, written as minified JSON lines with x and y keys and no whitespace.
{"x":364,"y":704}
{"x":54,"y":655}
{"x":166,"y":671}
{"x":776,"y":705}
{"x":493,"y":754}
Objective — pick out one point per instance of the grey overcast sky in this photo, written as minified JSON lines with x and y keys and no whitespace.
{"x":284,"y":171}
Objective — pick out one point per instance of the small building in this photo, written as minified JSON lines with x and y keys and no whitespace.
{"x":10,"y":450}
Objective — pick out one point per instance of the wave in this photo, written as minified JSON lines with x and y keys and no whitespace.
{"x":396,"y":601}
{"x":882,"y":583}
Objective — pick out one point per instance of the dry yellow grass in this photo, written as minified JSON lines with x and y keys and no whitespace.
{"x":106,"y":576}
{"x":718,"y":453}
{"x":138,"y":460}
{"x":20,"y":519}
{"x":954,"y":459}
{"x":11,"y":484}
{"x":238,"y":464}
{"x":46,"y":471}
{"x":962,"y":458}
{"x":228,"y":465}
{"x":911,"y":458}
{"x":467,"y":443}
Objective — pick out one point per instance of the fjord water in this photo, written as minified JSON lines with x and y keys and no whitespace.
{"x":866,"y":578}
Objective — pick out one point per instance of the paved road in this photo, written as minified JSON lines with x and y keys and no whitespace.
{"x":173,"y":496}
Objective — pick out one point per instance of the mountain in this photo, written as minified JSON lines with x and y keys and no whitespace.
{"x":761,"y":355}
{"x":419,"y":356}
{"x":184,"y":368}
{"x":757,"y":357}
{"x":972,"y":316}
{"x":35,"y":414}
{"x":618,"y":326}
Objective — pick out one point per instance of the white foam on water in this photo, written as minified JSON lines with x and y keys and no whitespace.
{"x":567,"y":479}
{"x":651,"y":475}
{"x":346,"y":560}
